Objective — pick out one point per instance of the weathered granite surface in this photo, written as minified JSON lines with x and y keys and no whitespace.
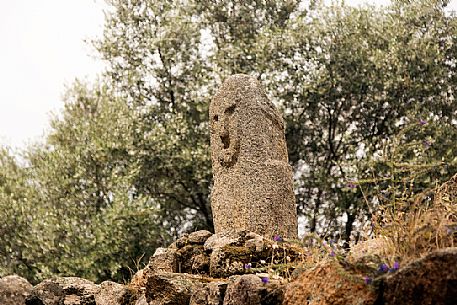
{"x":253,"y":188}
{"x":14,"y":290}
{"x":428,"y":280}
{"x":328,"y":283}
{"x":77,"y":291}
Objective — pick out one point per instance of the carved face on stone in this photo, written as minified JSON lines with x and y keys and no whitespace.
{"x":225,"y":133}
{"x":245,"y":125}
{"x":253,"y":186}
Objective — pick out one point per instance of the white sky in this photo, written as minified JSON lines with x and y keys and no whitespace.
{"x":42,"y":48}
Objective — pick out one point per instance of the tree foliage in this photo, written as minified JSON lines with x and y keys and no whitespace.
{"x":16,"y":212}
{"x":84,"y":175}
{"x":348,"y":78}
{"x":87,"y":219}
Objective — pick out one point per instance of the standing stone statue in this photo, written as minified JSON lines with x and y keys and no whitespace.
{"x":253,"y":187}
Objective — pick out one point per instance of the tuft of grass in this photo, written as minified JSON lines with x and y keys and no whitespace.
{"x":413,"y":212}
{"x":421,"y":224}
{"x":407,"y":228}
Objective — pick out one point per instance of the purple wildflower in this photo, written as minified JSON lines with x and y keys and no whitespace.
{"x":332,"y":254}
{"x":277,"y":237}
{"x":396,"y":266}
{"x":265,"y":279}
{"x":247,"y":266}
{"x":422,"y":122}
{"x":427,"y":143}
{"x":368,"y":280}
{"x":383,"y":268}
{"x":351,"y":185}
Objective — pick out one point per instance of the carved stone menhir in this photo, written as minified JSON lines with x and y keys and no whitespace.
{"x":253,"y":187}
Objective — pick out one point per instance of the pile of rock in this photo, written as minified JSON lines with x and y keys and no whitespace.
{"x":77,"y":291}
{"x":205,"y":268}
{"x":220,"y":255}
{"x":222,"y":270}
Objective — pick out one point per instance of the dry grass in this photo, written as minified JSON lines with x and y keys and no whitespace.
{"x":419,"y":225}
{"x":405,"y":231}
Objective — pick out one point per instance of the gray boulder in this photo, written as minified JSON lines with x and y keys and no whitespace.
{"x":77,"y":291}
{"x":63,"y":290}
{"x":428,"y":280}
{"x":250,"y":289}
{"x":14,"y":290}
{"x":199,"y":237}
{"x":211,"y":294}
{"x":172,"y":288}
